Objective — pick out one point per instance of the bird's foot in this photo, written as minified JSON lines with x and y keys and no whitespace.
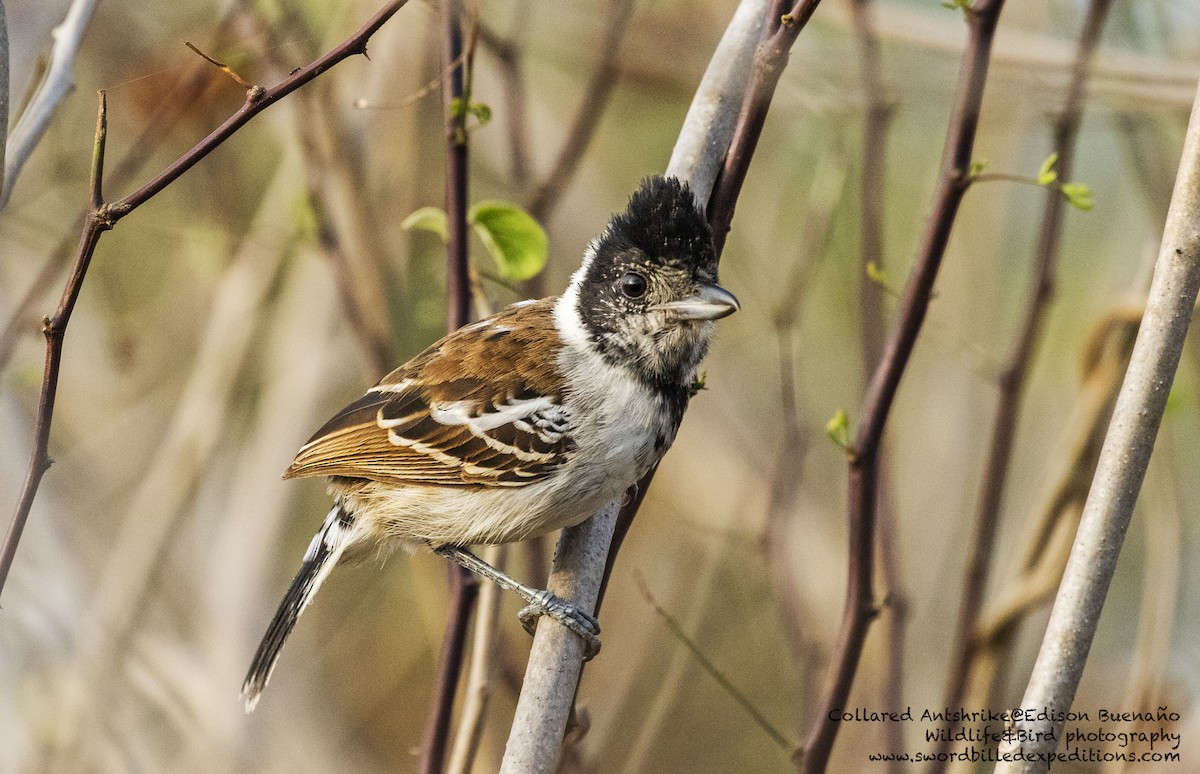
{"x":584,"y":624}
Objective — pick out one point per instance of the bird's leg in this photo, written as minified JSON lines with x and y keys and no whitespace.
{"x":541,"y":601}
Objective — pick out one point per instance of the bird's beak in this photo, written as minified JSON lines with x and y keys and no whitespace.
{"x":709,"y":302}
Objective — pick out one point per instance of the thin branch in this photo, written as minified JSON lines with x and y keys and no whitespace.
{"x":1014,"y":376}
{"x":464,"y":588}
{"x":877,"y":118}
{"x":161,"y":122}
{"x":591,"y":105}
{"x":59,"y":80}
{"x":861,"y":606}
{"x":548,"y":691}
{"x":742,"y":700}
{"x":53,"y":329}
{"x":1122,"y":466}
{"x":710,"y":124}
{"x":239,"y":80}
{"x":106,"y":216}
{"x":479,"y":675}
{"x":779,"y":33}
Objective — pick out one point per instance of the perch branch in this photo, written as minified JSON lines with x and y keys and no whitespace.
{"x":555,"y":662}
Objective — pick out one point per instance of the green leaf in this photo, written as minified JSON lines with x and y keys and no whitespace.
{"x":838,"y":429}
{"x":460,"y":109}
{"x":976,"y":169}
{"x":877,"y":274}
{"x":481,"y":111}
{"x":1046,"y":174}
{"x":957,"y":5}
{"x":515,"y":240}
{"x":427,"y":219}
{"x":1079,"y":195}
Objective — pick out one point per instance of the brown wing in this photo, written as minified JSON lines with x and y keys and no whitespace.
{"x":480,"y":407}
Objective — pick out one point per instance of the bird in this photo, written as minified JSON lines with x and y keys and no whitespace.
{"x":524,"y":422}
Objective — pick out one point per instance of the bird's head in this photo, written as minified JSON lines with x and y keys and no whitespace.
{"x":647,"y":293}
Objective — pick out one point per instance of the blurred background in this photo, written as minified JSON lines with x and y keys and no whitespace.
{"x":226,"y":319}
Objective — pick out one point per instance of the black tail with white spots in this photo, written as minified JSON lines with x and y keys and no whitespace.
{"x":322,"y":554}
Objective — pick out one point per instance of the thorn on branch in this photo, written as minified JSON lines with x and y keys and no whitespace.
{"x":239,"y":80}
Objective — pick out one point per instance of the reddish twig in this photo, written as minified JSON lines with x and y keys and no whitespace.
{"x":463,"y":586}
{"x":778,"y":37}
{"x":166,"y":115}
{"x":779,"y":34}
{"x":878,"y":111}
{"x":953,"y":181}
{"x":1014,"y":376}
{"x":102,"y":217}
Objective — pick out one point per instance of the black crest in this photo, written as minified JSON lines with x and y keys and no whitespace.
{"x":663,"y":222}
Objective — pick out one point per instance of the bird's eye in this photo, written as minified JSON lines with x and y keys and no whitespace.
{"x":633,"y":285}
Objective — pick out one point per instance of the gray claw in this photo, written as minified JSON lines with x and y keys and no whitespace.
{"x":569,"y":615}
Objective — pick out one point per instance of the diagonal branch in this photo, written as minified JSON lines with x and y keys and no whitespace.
{"x":102,"y":217}
{"x":860,"y":607}
{"x":58,"y":82}
{"x":591,"y":105}
{"x":584,"y":551}
{"x":1121,"y":468}
{"x":780,"y":31}
{"x":1013,"y":377}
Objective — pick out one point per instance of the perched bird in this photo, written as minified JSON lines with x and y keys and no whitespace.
{"x":525,"y":422}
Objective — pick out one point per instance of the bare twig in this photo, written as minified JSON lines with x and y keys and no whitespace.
{"x":1014,"y":375}
{"x":591,"y":105}
{"x":162,"y":120}
{"x":1160,"y":596}
{"x":1047,"y":538}
{"x":825,"y":192}
{"x":861,"y":606}
{"x":780,"y":31}
{"x":479,"y":675}
{"x":1121,"y":469}
{"x":59,"y":80}
{"x":103,"y":217}
{"x":710,"y":124}
{"x":743,"y":701}
{"x":464,"y":587}
{"x":872,"y":328}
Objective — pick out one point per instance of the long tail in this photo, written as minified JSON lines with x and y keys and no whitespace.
{"x":322,"y":554}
